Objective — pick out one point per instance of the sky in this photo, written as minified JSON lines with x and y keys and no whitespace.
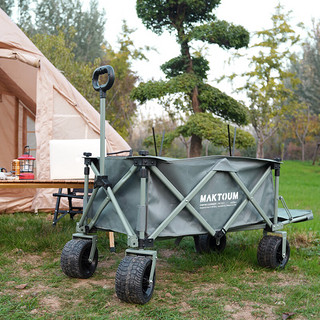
{"x":254,"y":15}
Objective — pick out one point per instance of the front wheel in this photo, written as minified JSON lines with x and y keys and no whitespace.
{"x":270,"y":252}
{"x":75,"y":259}
{"x":132,"y":280}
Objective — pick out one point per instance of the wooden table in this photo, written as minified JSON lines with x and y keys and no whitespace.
{"x":44,"y":183}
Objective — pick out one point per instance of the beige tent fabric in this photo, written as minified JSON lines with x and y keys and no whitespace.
{"x":37,"y":100}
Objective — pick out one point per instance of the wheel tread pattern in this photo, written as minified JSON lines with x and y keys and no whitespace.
{"x":71,"y":259}
{"x":129,"y":280}
{"x":268,"y":251}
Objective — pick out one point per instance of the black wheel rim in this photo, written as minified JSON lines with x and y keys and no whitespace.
{"x":282,"y":260}
{"x":146,"y":286}
{"x":85,"y":264}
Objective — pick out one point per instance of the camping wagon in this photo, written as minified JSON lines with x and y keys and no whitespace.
{"x":147,"y":198}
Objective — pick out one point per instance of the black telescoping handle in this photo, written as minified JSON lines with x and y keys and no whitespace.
{"x":95,"y":78}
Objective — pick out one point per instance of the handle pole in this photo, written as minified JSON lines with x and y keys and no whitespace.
{"x":102,"y":89}
{"x":102,"y":135}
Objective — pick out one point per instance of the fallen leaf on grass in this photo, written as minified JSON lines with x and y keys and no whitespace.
{"x":286,"y":315}
{"x":21,"y":286}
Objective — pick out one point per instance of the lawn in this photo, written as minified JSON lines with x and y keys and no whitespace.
{"x":189,"y":286}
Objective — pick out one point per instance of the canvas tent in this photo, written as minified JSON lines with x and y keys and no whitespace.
{"x":37,"y":105}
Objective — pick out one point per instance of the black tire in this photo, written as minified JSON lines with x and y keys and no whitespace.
{"x":270,"y":252}
{"x":74,"y":259}
{"x":206,"y":243}
{"x":132,"y":280}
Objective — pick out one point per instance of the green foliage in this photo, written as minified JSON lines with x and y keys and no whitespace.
{"x":54,"y":47}
{"x":157,"y":89}
{"x":307,"y":69}
{"x":270,"y":97}
{"x":205,"y":126}
{"x":186,"y":74}
{"x":167,"y":141}
{"x":158,"y":15}
{"x":226,"y":35}
{"x":219,"y":103}
{"x":85,"y":28}
{"x":6,"y":6}
{"x":178,"y":65}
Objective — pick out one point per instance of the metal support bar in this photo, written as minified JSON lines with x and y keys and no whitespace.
{"x":94,"y":169}
{"x":251,"y":199}
{"x":294,"y":220}
{"x":142,"y":214}
{"x":185,"y":202}
{"x":86,"y":209}
{"x":276,"y":198}
{"x":284,"y":242}
{"x":119,"y":184}
{"x":245,"y":202}
{"x":85,"y":191}
{"x":132,"y":237}
{"x":286,"y":208}
{"x":151,"y":253}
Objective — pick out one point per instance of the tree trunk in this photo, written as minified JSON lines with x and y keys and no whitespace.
{"x":260,"y":151}
{"x":302,"y":150}
{"x":195,"y":147}
{"x":207,"y":147}
{"x":196,"y":142}
{"x":282,"y":150}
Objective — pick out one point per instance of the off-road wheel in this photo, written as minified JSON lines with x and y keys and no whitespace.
{"x":270,"y":252}
{"x":75,"y":259}
{"x":206,"y":243}
{"x":132,"y":280}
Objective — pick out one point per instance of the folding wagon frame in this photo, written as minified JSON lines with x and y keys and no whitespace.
{"x":135,"y":277}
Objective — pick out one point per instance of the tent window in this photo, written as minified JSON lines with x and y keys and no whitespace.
{"x":31,"y":135}
{"x":27,"y":134}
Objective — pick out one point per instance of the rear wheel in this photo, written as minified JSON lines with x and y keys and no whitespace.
{"x":75,"y":259}
{"x":206,"y":243}
{"x":132,"y":280}
{"x":270,"y":252}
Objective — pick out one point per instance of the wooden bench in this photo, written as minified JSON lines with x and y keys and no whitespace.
{"x":75,"y":193}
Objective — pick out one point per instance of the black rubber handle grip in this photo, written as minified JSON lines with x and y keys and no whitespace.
{"x":95,"y":78}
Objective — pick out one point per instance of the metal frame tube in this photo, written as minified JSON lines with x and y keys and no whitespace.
{"x":245,"y":202}
{"x":251,"y":198}
{"x":185,"y":202}
{"x":132,"y":237}
{"x":102,"y":134}
{"x":119,"y":184}
{"x":142,"y":215}
{"x":85,"y":212}
{"x":276,"y":199}
{"x":94,"y":169}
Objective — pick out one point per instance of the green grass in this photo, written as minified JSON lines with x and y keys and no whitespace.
{"x":189,"y":286}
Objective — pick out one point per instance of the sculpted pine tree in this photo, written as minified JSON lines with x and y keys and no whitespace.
{"x":191,"y":20}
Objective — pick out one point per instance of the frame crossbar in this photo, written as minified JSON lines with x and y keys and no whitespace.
{"x":246,"y":201}
{"x":184,"y":202}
